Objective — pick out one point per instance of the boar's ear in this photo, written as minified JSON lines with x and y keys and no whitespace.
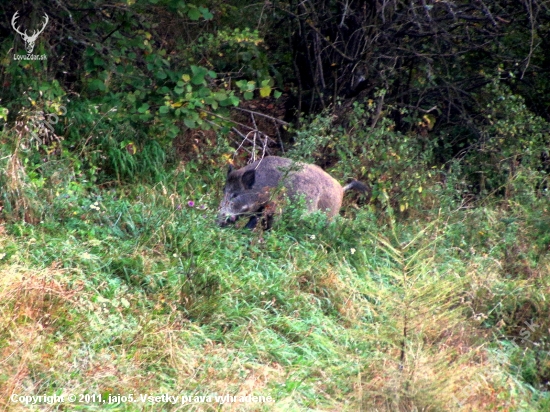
{"x":248,"y":179}
{"x":230,"y":169}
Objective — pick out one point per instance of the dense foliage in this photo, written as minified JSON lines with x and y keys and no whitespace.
{"x":464,"y":81}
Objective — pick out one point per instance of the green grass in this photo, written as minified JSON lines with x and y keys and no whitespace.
{"x":134,"y":291}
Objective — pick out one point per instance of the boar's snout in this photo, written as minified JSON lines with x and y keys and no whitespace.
{"x":224,"y":220}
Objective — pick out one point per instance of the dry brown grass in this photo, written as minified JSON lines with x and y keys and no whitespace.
{"x":45,"y":333}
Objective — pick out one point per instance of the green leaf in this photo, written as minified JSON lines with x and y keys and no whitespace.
{"x":104,"y":75}
{"x":241,"y":84}
{"x":143,"y":108}
{"x":277,"y":94}
{"x":204,"y":92}
{"x":98,"y":61}
{"x":189,"y":123}
{"x":219,"y":96}
{"x":97,"y":84}
{"x":178,"y":90}
{"x":4,"y":113}
{"x":248,"y":95}
{"x":164,"y":109}
{"x":206,"y":13}
{"x":194,"y":14}
{"x":198,"y":79}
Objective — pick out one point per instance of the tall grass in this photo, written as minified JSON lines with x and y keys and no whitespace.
{"x":135,"y":290}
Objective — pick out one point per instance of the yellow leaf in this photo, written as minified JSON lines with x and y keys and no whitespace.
{"x":420,"y":189}
{"x":429,"y":119}
{"x":402,"y":207}
{"x":186,"y":77}
{"x":265,"y":91}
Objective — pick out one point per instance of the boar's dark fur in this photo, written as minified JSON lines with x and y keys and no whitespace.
{"x":249,"y":191}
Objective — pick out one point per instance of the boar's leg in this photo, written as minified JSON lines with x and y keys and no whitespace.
{"x":268,"y":211}
{"x":267,"y":222}
{"x":265,"y":213}
{"x":252,"y":222}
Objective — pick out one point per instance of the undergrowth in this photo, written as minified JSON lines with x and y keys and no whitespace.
{"x":135,"y":290}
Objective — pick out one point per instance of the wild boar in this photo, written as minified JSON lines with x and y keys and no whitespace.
{"x":249,"y":191}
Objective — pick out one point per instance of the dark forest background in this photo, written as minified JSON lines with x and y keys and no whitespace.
{"x":438,"y":84}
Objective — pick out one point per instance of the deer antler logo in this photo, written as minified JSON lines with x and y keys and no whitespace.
{"x":29,"y":40}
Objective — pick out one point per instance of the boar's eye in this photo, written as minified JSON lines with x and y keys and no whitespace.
{"x":234,"y":195}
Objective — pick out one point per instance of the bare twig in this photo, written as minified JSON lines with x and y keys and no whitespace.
{"x":262,"y":115}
